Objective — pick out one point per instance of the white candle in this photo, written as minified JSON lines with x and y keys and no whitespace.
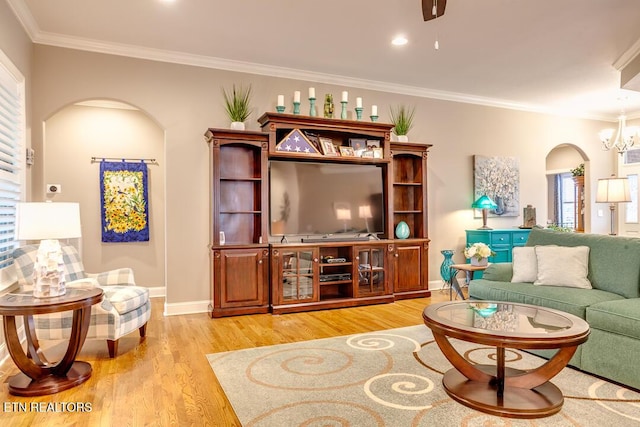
{"x":358,"y":102}
{"x":280,"y":100}
{"x":312,"y":92}
{"x":345,"y":96}
{"x":374,"y":110}
{"x":296,"y":96}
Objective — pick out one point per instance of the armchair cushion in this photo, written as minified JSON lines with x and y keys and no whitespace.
{"x":126,"y":298}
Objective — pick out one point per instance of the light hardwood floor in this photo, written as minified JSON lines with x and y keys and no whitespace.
{"x":167,"y":381}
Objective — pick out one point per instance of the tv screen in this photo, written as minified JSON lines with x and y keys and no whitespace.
{"x":325,"y":198}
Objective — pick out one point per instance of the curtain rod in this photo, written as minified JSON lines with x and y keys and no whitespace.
{"x":121,"y":159}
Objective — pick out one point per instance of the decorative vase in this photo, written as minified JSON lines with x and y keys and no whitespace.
{"x":479,"y":262}
{"x":445,"y":267}
{"x":402,"y":230}
{"x":402,"y":138}
{"x":237,"y":125}
{"x":500,"y":210}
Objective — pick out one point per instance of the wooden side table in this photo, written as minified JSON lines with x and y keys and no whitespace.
{"x":469,"y":270}
{"x":39,"y":376}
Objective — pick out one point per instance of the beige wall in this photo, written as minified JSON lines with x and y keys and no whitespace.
{"x":73,"y":136}
{"x":186,"y":100}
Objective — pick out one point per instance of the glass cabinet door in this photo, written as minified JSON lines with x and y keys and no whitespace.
{"x":297,"y":275}
{"x":371,"y":271}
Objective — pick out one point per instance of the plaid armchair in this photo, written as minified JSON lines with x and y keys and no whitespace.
{"x":125,"y":307}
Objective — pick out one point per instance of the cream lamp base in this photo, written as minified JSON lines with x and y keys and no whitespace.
{"x":48,"y":271}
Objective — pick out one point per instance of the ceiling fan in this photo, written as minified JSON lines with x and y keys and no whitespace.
{"x":432,"y":9}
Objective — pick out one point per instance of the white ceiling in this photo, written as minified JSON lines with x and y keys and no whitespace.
{"x":540,"y":55}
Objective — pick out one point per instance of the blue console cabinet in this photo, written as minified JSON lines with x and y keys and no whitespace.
{"x":500,"y":241}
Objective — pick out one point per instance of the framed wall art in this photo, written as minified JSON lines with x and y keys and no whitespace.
{"x":498,"y":178}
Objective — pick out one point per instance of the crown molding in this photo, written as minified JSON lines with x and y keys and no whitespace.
{"x":627,"y":56}
{"x":152,"y":54}
{"x":22,"y":12}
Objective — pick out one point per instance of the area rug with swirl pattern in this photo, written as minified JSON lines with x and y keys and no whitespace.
{"x":391,"y":378}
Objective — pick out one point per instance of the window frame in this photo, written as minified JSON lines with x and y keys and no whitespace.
{"x":10,"y":73}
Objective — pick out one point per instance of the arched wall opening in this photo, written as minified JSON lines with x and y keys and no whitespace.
{"x":566,"y":202}
{"x":107,"y":129}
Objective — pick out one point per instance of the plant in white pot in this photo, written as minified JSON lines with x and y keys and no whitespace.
{"x":236,"y":103}
{"x":402,"y":120}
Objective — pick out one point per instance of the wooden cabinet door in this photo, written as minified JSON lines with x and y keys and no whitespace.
{"x":409,"y":272}
{"x":240,"y":277}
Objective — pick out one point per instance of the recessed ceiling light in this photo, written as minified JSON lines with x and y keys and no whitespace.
{"x":399,"y":41}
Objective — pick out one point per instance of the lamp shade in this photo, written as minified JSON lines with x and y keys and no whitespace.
{"x":38,"y":221}
{"x":613,"y":190}
{"x":484,"y":202}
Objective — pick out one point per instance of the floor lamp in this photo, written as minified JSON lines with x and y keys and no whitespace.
{"x":485,"y":203}
{"x":613,"y":190}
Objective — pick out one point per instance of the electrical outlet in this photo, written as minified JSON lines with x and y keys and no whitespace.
{"x":600,"y":212}
{"x":54,"y":188}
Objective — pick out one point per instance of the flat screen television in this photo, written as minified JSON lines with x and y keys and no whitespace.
{"x":325,"y":198}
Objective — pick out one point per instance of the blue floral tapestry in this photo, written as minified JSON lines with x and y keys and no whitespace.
{"x":123,"y":197}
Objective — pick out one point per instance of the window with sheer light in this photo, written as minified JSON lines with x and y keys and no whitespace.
{"x":12,"y":149}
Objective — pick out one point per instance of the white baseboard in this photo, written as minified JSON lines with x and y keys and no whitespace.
{"x":190,"y":307}
{"x":157,"y":291}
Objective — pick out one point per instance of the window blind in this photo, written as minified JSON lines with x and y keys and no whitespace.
{"x":12,"y":119}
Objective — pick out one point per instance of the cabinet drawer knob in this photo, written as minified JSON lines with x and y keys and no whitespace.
{"x":396,"y":255}
{"x":260,"y":261}
{"x":315,"y":260}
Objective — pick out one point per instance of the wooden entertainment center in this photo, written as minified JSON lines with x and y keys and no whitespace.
{"x":254,"y":271}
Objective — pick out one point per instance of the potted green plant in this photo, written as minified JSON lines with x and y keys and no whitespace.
{"x":236,"y":103}
{"x":578,"y":171}
{"x":402,"y":120}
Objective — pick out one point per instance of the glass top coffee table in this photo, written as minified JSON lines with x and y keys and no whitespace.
{"x":497,"y":389}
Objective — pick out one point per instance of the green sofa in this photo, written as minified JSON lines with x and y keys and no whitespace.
{"x":612,"y":307}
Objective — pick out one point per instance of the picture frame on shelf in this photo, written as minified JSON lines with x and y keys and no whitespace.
{"x":347,"y":151}
{"x":313,"y":139}
{"x":367,"y":154}
{"x":378,"y":153}
{"x":327,"y":146}
{"x":359,"y":145}
{"x":373,"y":143}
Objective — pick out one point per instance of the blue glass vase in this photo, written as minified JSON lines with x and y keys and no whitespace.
{"x":445,"y":267}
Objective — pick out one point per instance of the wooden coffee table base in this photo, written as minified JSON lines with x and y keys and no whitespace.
{"x":516,"y":402}
{"x":22,"y":385}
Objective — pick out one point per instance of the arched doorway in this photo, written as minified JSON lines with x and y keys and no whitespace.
{"x":107,"y":129}
{"x":567,"y":207}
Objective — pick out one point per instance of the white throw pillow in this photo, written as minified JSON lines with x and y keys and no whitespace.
{"x":525,"y":264}
{"x":563,"y":266}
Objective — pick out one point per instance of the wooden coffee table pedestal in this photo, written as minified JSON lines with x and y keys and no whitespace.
{"x":39,"y":376}
{"x":498,"y":389}
{"x":515,"y":402}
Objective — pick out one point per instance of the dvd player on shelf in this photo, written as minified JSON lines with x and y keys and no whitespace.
{"x":335,"y":277}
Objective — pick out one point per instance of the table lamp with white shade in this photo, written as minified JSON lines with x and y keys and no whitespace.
{"x":613,"y":190}
{"x":48,"y":222}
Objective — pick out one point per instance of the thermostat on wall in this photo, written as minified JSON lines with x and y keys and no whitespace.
{"x":54,"y":188}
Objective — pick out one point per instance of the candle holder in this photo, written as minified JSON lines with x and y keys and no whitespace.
{"x":280,"y":108}
{"x":343,"y":114}
{"x":312,"y":107}
{"x":296,"y":108}
{"x":359,"y":113}
{"x":374,"y":118}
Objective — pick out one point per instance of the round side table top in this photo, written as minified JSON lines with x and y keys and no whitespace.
{"x":22,"y":301}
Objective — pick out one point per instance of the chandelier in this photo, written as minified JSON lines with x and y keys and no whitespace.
{"x":621,"y":140}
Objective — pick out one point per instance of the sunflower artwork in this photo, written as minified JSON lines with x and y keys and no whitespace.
{"x":124,"y":207}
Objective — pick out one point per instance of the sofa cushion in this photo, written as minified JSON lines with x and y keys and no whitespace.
{"x":525,"y":264}
{"x":563,"y":266}
{"x":618,"y":317}
{"x":126,"y":298}
{"x":610,"y":268}
{"x":570,"y":300}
